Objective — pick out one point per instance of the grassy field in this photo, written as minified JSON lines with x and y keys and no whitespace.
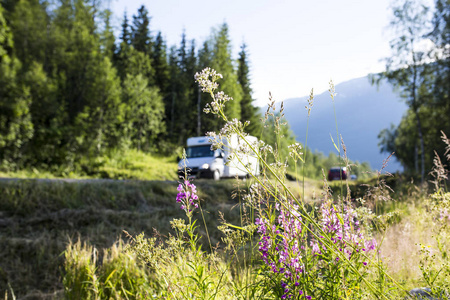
{"x":130,"y":164}
{"x":39,"y":218}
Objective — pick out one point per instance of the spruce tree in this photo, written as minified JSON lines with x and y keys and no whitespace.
{"x":140,"y":32}
{"x":160,"y":65}
{"x":133,"y":62}
{"x":171,"y":101}
{"x":125,"y":35}
{"x":194,"y":91}
{"x":141,"y":41}
{"x":185,"y":110}
{"x":248,"y":111}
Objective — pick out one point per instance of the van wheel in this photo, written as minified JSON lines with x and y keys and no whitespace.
{"x":216,"y":175}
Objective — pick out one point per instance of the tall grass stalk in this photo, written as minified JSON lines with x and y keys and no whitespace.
{"x":332,"y":92}
{"x":309,"y":107}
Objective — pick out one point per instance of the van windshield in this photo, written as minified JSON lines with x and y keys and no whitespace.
{"x":199,"y":151}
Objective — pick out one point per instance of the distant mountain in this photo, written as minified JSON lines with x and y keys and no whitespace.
{"x":362,"y":111}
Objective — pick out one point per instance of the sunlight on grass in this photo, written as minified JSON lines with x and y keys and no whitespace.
{"x":133,"y":164}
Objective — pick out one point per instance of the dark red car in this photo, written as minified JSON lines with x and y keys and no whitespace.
{"x":337,"y":173}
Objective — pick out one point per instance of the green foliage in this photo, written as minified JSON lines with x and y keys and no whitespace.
{"x":103,"y":113}
{"x":16,"y":128}
{"x":222,"y":63}
{"x":181,"y":100}
{"x":29,"y":22}
{"x":161,"y":66}
{"x":70,"y":93}
{"x":140,"y":32}
{"x":48,"y":117}
{"x":144,"y":112}
{"x":421,"y":76}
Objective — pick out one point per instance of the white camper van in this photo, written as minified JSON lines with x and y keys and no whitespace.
{"x":204,"y":162}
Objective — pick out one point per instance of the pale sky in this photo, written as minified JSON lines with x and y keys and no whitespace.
{"x":293,"y":45}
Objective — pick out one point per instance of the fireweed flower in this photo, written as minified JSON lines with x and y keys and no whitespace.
{"x":281,"y":247}
{"x":187,"y":196}
{"x":285,"y":246}
{"x":344,"y":229}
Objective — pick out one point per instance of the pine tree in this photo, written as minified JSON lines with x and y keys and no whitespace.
{"x":194,"y":92}
{"x":141,"y":41}
{"x":248,"y":111}
{"x":205,"y":55}
{"x":182,"y":97}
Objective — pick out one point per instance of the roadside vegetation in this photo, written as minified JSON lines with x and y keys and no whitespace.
{"x":81,"y":115}
{"x":254,"y":239}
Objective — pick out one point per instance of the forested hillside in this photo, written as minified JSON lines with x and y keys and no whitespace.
{"x":71,"y":91}
{"x":74,"y":99}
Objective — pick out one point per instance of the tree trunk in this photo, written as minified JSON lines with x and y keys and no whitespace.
{"x":415,"y":107}
{"x":422,"y":148}
{"x":172,"y":115}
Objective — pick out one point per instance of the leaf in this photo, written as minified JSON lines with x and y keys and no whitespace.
{"x":338,"y":215}
{"x":334,"y":144}
{"x":110,"y":275}
{"x":237,"y":227}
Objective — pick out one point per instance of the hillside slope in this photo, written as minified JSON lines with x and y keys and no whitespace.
{"x":362,"y":111}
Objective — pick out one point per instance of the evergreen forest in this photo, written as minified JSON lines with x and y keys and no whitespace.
{"x":71,"y":92}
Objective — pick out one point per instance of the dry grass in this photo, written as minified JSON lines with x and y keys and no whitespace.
{"x":402,"y":243}
{"x":39,"y":218}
